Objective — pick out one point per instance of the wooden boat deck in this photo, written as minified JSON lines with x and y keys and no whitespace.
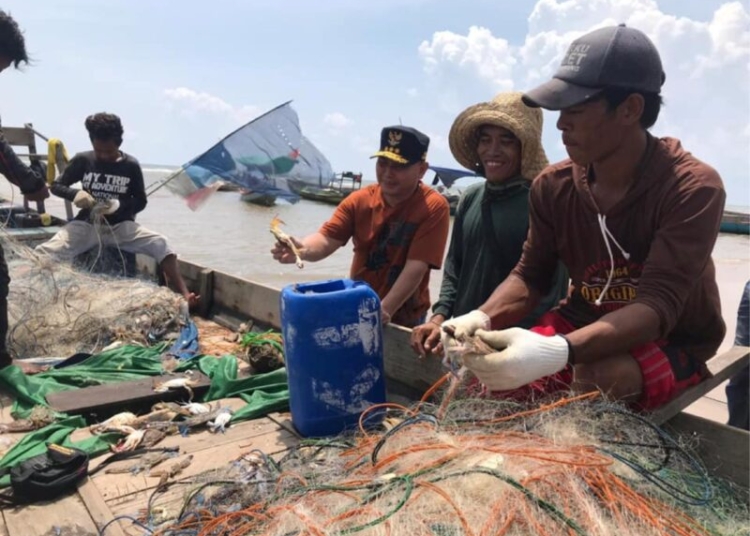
{"x":231,"y":300}
{"x":104,"y":496}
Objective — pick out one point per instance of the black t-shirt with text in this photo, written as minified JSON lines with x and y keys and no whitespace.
{"x":121,"y":180}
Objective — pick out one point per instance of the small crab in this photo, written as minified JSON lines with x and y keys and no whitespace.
{"x":457,"y":347}
{"x":220,"y":421}
{"x":131,"y":441}
{"x":286,"y":240}
{"x":194,"y":408}
{"x":176,"y":383}
{"x":121,"y":419}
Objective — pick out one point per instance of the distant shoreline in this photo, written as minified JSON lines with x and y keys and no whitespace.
{"x":166,"y":168}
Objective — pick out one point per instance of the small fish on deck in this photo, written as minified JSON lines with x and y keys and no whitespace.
{"x":21,"y":425}
{"x":175,"y":469}
{"x":152,"y":436}
{"x":39,"y":417}
{"x":146,"y":463}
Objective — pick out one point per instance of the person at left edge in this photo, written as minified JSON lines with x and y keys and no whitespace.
{"x":32,"y":185}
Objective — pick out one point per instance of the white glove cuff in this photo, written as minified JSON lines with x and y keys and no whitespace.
{"x":555,"y":351}
{"x":484,"y":319}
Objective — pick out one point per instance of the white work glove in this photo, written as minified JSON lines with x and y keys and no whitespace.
{"x":464,"y":326}
{"x":523,"y":356}
{"x":109,"y":206}
{"x":84,"y":199}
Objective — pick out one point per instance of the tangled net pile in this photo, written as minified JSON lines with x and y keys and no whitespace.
{"x":571,"y":466}
{"x":55,"y":309}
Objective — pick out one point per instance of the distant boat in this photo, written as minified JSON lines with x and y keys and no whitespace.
{"x":452,"y":197}
{"x":229,"y":187}
{"x":447,"y":177}
{"x":258,"y":198}
{"x":330,"y":196}
{"x":337,"y":190}
{"x":735,"y":222}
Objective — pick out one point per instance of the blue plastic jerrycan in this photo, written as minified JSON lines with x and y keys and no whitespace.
{"x":333,"y":347}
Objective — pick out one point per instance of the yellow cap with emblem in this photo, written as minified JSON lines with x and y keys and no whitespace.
{"x":404,"y":145}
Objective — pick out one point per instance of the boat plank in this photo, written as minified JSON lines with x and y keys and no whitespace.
{"x":723,"y":449}
{"x":204,"y":461}
{"x":285,"y":421}
{"x":205,"y":291}
{"x":721,"y":367}
{"x":259,"y":302}
{"x":708,"y":409}
{"x":66,"y":516}
{"x":98,"y":509}
{"x":403,"y":366}
{"x":99,"y":398}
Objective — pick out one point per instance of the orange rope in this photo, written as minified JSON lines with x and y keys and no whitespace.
{"x":449,"y":500}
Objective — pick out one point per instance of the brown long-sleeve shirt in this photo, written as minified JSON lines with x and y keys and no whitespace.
{"x":667,"y":224}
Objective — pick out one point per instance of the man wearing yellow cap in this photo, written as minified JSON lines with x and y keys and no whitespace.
{"x":399,"y":228}
{"x":501,"y":141}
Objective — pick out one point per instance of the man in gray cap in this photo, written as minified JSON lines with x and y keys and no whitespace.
{"x":634,"y":218}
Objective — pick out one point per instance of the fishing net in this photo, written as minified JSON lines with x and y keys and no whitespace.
{"x":571,"y":466}
{"x":56,"y":309}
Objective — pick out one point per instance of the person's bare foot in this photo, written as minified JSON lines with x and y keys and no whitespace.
{"x":30,"y":368}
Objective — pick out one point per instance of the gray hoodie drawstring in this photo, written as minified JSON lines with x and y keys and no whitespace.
{"x":607,"y":234}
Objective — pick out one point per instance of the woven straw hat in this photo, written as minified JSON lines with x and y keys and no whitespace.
{"x":506,"y":110}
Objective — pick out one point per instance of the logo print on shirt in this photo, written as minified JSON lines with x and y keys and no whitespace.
{"x":622,"y":290}
{"x":105,"y":186}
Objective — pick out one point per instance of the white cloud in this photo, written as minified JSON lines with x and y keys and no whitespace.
{"x":478,"y":53}
{"x":191,"y":101}
{"x":706,"y":63}
{"x":336,"y":121}
{"x":412,"y":92}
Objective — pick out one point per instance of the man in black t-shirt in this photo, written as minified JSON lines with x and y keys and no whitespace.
{"x":112,"y":194}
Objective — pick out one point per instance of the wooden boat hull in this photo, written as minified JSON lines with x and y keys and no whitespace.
{"x":230,"y":300}
{"x":323,"y":195}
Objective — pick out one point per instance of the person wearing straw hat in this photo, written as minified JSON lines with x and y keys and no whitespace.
{"x":501,"y":141}
{"x":399,"y":228}
{"x":634,"y":218}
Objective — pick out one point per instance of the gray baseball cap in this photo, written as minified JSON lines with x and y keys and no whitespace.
{"x":610,"y":57}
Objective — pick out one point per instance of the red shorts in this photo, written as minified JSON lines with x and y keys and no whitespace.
{"x":667,"y":371}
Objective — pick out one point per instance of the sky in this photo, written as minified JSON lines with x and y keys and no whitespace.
{"x":182,"y":75}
